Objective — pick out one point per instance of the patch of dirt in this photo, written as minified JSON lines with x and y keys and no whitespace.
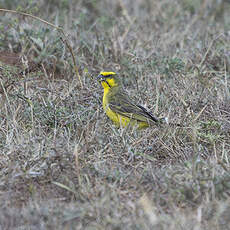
{"x":8,"y":58}
{"x":16,"y":60}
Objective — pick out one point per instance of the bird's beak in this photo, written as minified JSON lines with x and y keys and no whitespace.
{"x":100,"y":77}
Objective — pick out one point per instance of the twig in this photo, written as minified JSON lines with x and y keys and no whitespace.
{"x":199,"y":114}
{"x":58,"y":28}
{"x":209,"y":48}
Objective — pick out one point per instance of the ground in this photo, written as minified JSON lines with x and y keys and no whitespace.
{"x":64,"y":165}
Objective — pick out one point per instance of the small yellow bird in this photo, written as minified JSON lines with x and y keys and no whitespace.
{"x":118,"y":106}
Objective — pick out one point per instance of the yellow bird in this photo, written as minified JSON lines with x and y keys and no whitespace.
{"x":118,"y":106}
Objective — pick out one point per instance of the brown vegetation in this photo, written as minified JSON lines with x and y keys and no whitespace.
{"x":63,"y":164}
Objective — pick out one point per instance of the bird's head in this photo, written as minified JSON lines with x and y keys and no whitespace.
{"x":108,"y":79}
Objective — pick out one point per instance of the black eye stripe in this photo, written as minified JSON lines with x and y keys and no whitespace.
{"x":108,"y":83}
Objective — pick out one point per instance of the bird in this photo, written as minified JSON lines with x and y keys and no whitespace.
{"x":120,"y":108}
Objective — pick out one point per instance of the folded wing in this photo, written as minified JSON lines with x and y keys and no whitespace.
{"x":122,"y":105}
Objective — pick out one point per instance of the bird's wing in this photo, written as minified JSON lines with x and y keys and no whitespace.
{"x":121,"y":104}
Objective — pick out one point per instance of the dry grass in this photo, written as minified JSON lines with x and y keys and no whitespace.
{"x":63,"y":163}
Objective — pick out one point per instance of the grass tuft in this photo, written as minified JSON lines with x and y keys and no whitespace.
{"x":64,"y":165}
